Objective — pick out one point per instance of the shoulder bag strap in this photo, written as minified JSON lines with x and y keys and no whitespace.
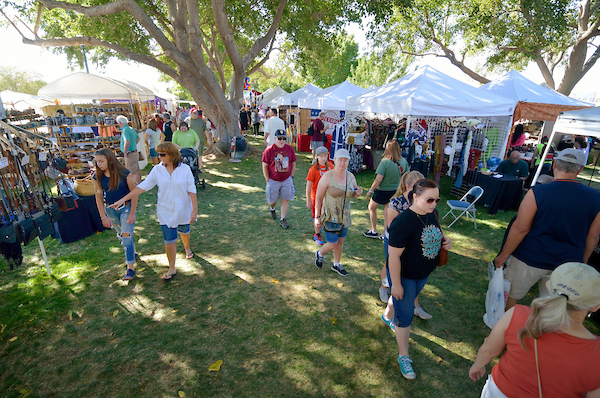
{"x":439,"y":223}
{"x":537,"y":367}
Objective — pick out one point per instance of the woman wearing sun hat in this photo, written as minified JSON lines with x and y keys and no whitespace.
{"x":549,"y":352}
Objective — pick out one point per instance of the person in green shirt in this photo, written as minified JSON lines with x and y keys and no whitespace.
{"x":386,"y":183}
{"x":129,"y":140}
{"x":514,"y":166}
{"x":186,"y":138}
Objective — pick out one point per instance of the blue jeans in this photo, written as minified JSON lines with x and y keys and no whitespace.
{"x":118,"y":218}
{"x":404,"y":309}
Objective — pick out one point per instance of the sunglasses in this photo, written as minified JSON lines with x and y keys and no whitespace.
{"x":431,"y":200}
{"x":162,"y":154}
{"x":281,"y":138}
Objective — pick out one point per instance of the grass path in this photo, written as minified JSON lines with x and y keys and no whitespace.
{"x":251,"y":297}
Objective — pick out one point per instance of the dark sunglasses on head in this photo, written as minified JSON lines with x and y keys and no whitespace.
{"x":162,"y":154}
{"x":431,"y":200}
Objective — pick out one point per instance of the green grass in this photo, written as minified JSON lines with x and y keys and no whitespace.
{"x":251,"y":297}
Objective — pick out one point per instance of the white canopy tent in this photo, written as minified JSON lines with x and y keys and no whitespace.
{"x":429,"y":92}
{"x":584,"y":122}
{"x":271,"y":94}
{"x":21,"y":101}
{"x":83,"y":87}
{"x":333,"y":97}
{"x":292,"y":98}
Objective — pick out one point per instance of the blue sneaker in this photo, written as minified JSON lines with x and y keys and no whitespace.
{"x":388,"y":322}
{"x":406,"y":367}
{"x":129,"y":275}
{"x":318,"y":240}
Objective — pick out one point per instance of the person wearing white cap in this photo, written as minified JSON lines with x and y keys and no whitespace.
{"x":549,"y":351}
{"x":556,"y":223}
{"x":332,"y":209}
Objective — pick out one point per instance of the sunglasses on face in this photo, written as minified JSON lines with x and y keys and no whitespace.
{"x":281,"y":138}
{"x":431,"y":200}
{"x":160,"y":155}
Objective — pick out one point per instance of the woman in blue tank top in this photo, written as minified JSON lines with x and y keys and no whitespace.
{"x":113,"y":182}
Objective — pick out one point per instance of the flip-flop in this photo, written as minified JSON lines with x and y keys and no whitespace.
{"x":168,"y":277}
{"x":188,"y":256}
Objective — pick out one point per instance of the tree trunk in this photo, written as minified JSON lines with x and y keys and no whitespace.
{"x":574,"y":71}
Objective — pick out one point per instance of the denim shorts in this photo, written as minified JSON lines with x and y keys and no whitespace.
{"x":404,"y":309}
{"x":170,"y":234}
{"x":153,"y":153}
{"x":332,"y":237}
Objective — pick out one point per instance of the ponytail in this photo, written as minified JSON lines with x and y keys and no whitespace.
{"x":548,"y":314}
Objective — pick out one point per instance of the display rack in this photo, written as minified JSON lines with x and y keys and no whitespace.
{"x":78,"y":148}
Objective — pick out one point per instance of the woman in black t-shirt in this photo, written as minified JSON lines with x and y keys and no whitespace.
{"x":414,"y":245}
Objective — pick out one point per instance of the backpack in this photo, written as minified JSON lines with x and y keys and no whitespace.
{"x":310,"y":131}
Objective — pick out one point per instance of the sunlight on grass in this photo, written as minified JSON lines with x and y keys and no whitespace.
{"x":461,"y":349}
{"x":219,"y":174}
{"x":140,"y":304}
{"x":181,"y":367}
{"x":246,"y":277}
{"x":238,"y":187}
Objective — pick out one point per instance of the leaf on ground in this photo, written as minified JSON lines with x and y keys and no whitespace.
{"x":140,"y":269}
{"x":115,"y":313}
{"x":2,"y":328}
{"x":114,"y":341}
{"x":334,"y":321}
{"x":184,"y":316}
{"x":181,"y":394}
{"x":13,"y":339}
{"x":439,"y":360}
{"x":275,"y":281}
{"x":340,"y":284}
{"x":24,"y":393}
{"x":209,"y":308}
{"x":80,"y":322}
{"x":310,"y":287}
{"x":240,"y":281}
{"x":278,"y":335}
{"x":174,"y":311}
{"x":215,"y":367}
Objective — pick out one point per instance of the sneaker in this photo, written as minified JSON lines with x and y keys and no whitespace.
{"x":318,"y":240}
{"x":380,"y":237}
{"x":406,"y":367}
{"x":420,"y":312}
{"x":388,"y":322}
{"x":384,"y":294}
{"x":371,"y":234}
{"x":339,"y":268}
{"x":129,"y":275}
{"x":385,"y":282}
{"x":273,"y":214}
{"x":283,"y":222}
{"x":318,"y":260}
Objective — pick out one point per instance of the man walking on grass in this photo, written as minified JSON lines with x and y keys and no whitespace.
{"x":278,"y":167}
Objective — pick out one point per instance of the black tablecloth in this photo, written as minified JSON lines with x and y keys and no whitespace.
{"x":81,"y":222}
{"x":500,"y":193}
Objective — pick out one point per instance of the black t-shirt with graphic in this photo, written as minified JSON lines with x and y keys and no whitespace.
{"x":421,"y":238}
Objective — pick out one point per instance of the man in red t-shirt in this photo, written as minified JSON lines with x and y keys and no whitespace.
{"x":279,"y":166}
{"x":312,"y":180}
{"x":317,"y":138}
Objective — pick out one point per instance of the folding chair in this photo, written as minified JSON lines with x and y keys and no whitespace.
{"x":464,"y":206}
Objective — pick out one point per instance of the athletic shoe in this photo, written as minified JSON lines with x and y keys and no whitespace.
{"x":129,"y":275}
{"x":273,"y":214}
{"x":388,"y":322}
{"x":420,"y":312}
{"x":385,"y":282}
{"x":380,"y":237}
{"x":318,"y":240}
{"x":406,"y":367}
{"x":339,"y":269}
{"x":318,"y":260}
{"x":384,"y":294}
{"x":371,"y":234}
{"x":283,"y":222}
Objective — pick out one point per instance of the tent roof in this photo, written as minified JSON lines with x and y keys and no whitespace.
{"x":581,"y":122}
{"x":273,"y":93}
{"x":292,"y":98}
{"x":22,"y":101}
{"x":87,"y":87}
{"x":333,"y":97}
{"x":428,"y":92}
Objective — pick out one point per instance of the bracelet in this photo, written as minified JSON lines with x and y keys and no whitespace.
{"x":102,"y":218}
{"x":370,"y":191}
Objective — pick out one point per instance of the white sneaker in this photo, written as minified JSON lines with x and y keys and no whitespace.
{"x":385,"y":282}
{"x":420,"y":312}
{"x":384,"y":294}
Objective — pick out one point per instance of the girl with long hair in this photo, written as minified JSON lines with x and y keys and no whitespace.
{"x":153,"y":137}
{"x":415,"y":242}
{"x":113,"y":182}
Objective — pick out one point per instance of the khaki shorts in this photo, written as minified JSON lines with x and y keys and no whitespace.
{"x":522,"y":277}
{"x":132,"y":162}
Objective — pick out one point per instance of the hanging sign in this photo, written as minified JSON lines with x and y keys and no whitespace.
{"x":247,"y":84}
{"x":3,"y":162}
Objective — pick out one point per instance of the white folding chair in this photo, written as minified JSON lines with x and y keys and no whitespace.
{"x":464,"y":206}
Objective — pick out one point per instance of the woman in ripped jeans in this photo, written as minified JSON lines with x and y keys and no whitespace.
{"x":114,"y":183}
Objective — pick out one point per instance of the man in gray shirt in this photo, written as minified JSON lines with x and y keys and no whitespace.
{"x":198,"y":124}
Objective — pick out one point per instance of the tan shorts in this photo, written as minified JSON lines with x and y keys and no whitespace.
{"x":522,"y":277}
{"x":132,"y":162}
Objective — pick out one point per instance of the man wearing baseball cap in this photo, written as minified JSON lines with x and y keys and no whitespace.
{"x":557,"y":223}
{"x":279,"y":166}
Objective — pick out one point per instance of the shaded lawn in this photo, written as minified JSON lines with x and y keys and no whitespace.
{"x":251,"y":297}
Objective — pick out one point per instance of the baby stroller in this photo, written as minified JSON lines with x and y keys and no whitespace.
{"x":190,"y":157}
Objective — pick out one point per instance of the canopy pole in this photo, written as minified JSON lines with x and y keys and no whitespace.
{"x":543,"y":158}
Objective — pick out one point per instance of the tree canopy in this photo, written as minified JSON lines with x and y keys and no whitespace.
{"x":20,"y":81}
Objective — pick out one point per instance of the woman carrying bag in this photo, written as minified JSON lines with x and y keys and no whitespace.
{"x":416,"y":240}
{"x":549,"y":352}
{"x":332,"y":209}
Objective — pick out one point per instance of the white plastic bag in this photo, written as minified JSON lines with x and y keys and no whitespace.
{"x":494,"y":300}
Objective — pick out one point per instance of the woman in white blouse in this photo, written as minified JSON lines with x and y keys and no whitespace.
{"x":176,"y":206}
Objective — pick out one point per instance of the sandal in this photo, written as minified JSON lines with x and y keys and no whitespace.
{"x":188,"y":256}
{"x":168,"y":277}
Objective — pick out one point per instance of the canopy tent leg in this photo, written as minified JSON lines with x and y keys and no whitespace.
{"x":43,"y":249}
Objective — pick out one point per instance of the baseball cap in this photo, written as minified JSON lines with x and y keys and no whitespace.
{"x":579,"y":282}
{"x":320,"y":150}
{"x":342,"y":153}
{"x":572,"y":155}
{"x":193,"y":110}
{"x":280,"y":133}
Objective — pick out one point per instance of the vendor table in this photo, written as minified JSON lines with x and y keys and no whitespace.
{"x":500,"y":193}
{"x":81,"y":222}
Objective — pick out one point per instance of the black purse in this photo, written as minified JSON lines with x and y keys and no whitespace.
{"x":26,"y":230}
{"x":43,"y":223}
{"x":8,"y":233}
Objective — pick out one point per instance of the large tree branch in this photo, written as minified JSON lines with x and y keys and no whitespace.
{"x":164,"y":23}
{"x":448,"y":53}
{"x":541,"y":63}
{"x":268,"y":37}
{"x":591,"y":61}
{"x":227,"y":35}
{"x":265,"y":58}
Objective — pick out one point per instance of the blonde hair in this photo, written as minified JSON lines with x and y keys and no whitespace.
{"x":408,"y":179}
{"x":392,"y":151}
